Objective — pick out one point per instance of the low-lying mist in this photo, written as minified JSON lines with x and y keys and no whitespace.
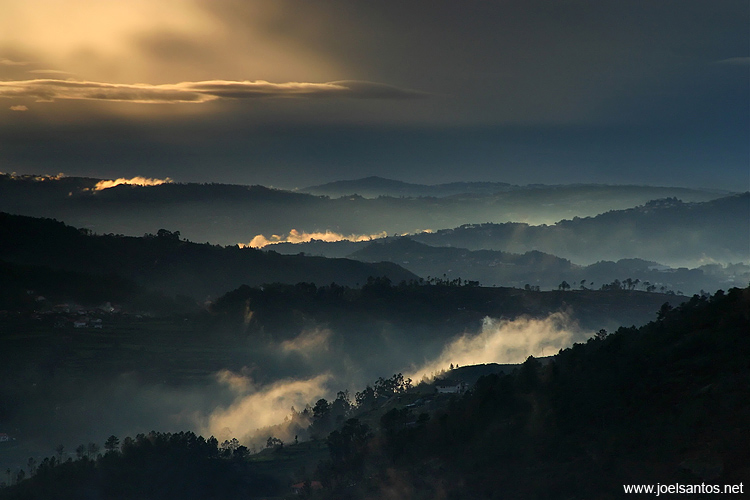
{"x":506,"y":342}
{"x":252,"y":397}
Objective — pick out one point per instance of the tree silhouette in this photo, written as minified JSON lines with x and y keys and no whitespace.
{"x":112,"y":444}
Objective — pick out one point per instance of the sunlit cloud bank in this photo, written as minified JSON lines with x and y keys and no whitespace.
{"x":260,"y":406}
{"x":506,"y":341}
{"x":48,"y":89}
{"x":136,"y":181}
{"x":295,"y":236}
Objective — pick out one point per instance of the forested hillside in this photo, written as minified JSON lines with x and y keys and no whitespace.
{"x":168,"y":263}
{"x":664,"y":403}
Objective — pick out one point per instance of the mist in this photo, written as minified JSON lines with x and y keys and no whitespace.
{"x":295,"y":236}
{"x":505,"y":341}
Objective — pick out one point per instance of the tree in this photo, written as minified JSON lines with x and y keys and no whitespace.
{"x":59,"y":449}
{"x":341,"y":407}
{"x":92,"y":450}
{"x":168,"y":235}
{"x":348,"y":446}
{"x":365,"y":399}
{"x":563,"y":286}
{"x":112,"y":444}
{"x":663,"y":311}
{"x":321,"y":421}
{"x":80,"y":451}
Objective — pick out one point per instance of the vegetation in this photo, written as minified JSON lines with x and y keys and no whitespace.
{"x":158,"y":466}
{"x":164,"y":262}
{"x":663,"y":403}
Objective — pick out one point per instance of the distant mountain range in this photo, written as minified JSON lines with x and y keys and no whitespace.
{"x":538,"y":269}
{"x":654,"y":243}
{"x":372,"y":187}
{"x":229,"y":214}
{"x":667,"y":230}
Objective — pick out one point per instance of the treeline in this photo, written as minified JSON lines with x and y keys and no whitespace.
{"x":428,"y":307}
{"x":158,"y":466}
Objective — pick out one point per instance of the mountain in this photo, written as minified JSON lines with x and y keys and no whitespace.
{"x":167,"y":263}
{"x":372,"y":187}
{"x":230,"y":214}
{"x":534,"y":268}
{"x":669,"y":231}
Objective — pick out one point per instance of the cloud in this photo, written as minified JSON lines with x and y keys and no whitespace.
{"x":49,"y":71}
{"x":48,"y":89}
{"x":294,"y":236}
{"x":137,"y":181}
{"x":20,"y":107}
{"x":10,"y":62}
{"x":506,"y":341}
{"x":258,"y":407}
{"x":735,"y":61}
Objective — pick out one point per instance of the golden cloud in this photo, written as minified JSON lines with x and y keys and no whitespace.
{"x":137,"y":181}
{"x":48,"y":89}
{"x":294,"y":236}
{"x":257,"y":407}
{"x":505,"y":341}
{"x":9,"y":62}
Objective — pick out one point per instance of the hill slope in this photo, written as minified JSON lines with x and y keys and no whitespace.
{"x":668,"y":231}
{"x":231,"y":214}
{"x":167,"y":263}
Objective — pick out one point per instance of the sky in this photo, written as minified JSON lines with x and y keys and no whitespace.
{"x":292,"y":93}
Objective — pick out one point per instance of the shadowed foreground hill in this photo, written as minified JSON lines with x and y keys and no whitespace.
{"x":153,"y":466}
{"x":665,"y":403}
{"x":167,"y":263}
{"x":662,"y":404}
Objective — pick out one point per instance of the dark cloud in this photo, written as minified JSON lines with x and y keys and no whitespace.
{"x":735,"y":61}
{"x":519,"y":91}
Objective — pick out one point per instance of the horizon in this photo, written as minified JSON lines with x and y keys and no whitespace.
{"x":143,"y":181}
{"x":295,"y":94}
